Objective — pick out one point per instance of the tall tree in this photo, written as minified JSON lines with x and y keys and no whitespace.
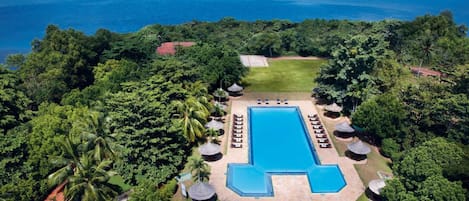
{"x":192,"y":115}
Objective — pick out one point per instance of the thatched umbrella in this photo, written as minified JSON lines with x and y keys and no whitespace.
{"x":209,"y":149}
{"x":214,"y":124}
{"x":376,"y":185}
{"x":201,"y":191}
{"x":359,"y":148}
{"x":344,"y":127}
{"x":235,"y":88}
{"x":333,"y":108}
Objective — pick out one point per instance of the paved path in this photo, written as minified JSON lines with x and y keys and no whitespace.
{"x":286,"y":187}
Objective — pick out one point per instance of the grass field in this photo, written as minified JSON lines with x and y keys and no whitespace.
{"x":283,"y":76}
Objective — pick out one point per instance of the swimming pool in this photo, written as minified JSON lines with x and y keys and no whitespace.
{"x":279,"y":144}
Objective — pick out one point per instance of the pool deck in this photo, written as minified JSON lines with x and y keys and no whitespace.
{"x":285,"y":187}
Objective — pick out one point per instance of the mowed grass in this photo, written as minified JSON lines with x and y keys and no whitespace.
{"x":283,"y":76}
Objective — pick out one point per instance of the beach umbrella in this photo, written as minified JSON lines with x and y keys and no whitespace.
{"x":376,"y":185}
{"x":344,"y":127}
{"x":235,"y":88}
{"x":333,"y":108}
{"x":214,"y":124}
{"x":209,"y":149}
{"x":201,"y":191}
{"x":359,"y":148}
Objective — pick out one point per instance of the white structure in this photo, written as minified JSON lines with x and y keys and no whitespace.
{"x":254,"y":61}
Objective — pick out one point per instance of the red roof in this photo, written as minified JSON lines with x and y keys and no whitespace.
{"x":57,"y":194}
{"x":169,"y":48}
{"x":425,"y":71}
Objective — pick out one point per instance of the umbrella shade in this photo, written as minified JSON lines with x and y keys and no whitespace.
{"x":359,"y":147}
{"x":201,"y":191}
{"x":214,"y":124}
{"x":235,"y":88}
{"x":209,"y":149}
{"x":344,"y":127}
{"x":376,"y":185}
{"x":333,"y":108}
{"x":220,"y":93}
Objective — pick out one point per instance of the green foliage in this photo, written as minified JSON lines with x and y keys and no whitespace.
{"x":267,"y":44}
{"x":199,"y":169}
{"x":431,"y":158}
{"x":383,"y":116}
{"x":153,"y":147}
{"x":149,"y":191}
{"x":438,"y":188}
{"x":13,"y":103}
{"x":191,"y":117}
{"x":347,"y":78}
{"x":390,"y":148}
{"x":395,"y":191}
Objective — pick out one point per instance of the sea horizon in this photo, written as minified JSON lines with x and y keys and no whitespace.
{"x":22,"y":21}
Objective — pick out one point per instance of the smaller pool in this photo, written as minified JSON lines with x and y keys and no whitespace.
{"x":279,"y":144}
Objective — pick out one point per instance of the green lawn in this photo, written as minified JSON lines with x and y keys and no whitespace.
{"x":283,"y":76}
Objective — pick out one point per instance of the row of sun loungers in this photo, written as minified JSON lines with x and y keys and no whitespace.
{"x":319,"y":132}
{"x":266,"y":101}
{"x":237,"y":136}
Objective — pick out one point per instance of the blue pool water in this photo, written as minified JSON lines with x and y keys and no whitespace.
{"x":280,"y":144}
{"x":23,"y":20}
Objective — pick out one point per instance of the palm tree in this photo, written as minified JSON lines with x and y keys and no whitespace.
{"x":97,"y":138}
{"x":213,"y":134}
{"x":86,"y":177}
{"x":199,"y":169}
{"x":192,"y":117}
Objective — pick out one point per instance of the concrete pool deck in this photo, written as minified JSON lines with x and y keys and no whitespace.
{"x":285,"y":187}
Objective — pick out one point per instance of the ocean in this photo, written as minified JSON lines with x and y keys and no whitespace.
{"x":21,"y":21}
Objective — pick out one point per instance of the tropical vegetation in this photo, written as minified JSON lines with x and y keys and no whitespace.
{"x":82,"y":108}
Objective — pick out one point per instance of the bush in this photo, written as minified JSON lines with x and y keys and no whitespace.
{"x":390,"y":148}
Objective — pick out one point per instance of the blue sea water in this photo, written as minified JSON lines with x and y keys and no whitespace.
{"x":21,"y":21}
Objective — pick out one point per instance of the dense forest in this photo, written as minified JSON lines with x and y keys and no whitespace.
{"x":84,"y":108}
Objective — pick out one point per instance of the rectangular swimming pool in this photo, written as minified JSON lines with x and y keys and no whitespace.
{"x":279,"y":144}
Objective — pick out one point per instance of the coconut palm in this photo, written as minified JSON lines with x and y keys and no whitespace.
{"x":192,"y":117}
{"x":97,"y":138}
{"x":213,"y":136}
{"x":86,"y":178}
{"x":199,"y":169}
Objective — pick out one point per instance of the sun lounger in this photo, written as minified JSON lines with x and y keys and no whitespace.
{"x":238,"y":123}
{"x":238,"y":118}
{"x":236,"y":145}
{"x":323,"y":140}
{"x":325,"y":145}
{"x":237,"y":131}
{"x":266,"y":101}
{"x":237,"y":135}
{"x":238,"y":115}
{"x":315,"y":122}
{"x":318,"y":131}
{"x":238,"y":140}
{"x":259,"y":101}
{"x":321,"y":136}
{"x":238,"y":127}
{"x":278,"y":101}
{"x":312,"y":115}
{"x":317,"y":126}
{"x":285,"y":101}
{"x":313,"y":119}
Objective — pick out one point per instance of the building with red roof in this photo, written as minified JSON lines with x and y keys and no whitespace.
{"x":169,"y":48}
